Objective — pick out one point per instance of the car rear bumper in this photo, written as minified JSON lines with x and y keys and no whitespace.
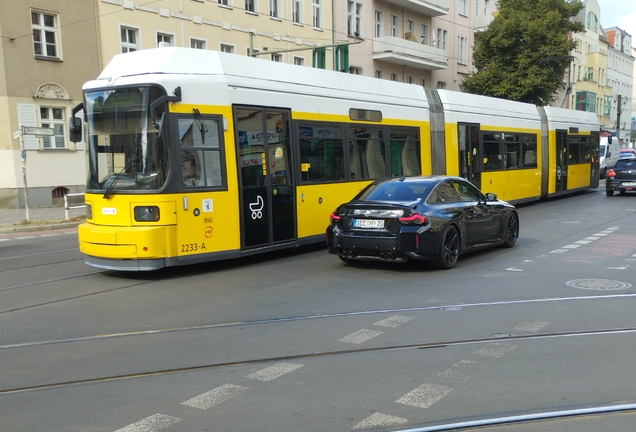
{"x":404,"y":245}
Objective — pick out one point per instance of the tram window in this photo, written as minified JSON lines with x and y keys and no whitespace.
{"x":586,"y":150}
{"x":201,"y":164}
{"x":405,"y":152}
{"x":493,"y":159}
{"x":321,"y":153}
{"x":574,"y":151}
{"x":529,"y":150}
{"x":367,"y":152}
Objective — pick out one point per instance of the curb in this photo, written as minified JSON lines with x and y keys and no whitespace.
{"x":34,"y":228}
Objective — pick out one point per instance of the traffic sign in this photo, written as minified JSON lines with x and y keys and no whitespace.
{"x":40,"y":131}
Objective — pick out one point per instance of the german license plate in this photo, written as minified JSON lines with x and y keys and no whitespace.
{"x":368,"y":223}
{"x":629,"y":184}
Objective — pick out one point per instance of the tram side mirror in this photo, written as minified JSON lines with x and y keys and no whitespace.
{"x":75,"y":129}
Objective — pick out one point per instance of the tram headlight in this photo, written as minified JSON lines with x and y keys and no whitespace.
{"x":89,"y":211}
{"x":147,"y":214}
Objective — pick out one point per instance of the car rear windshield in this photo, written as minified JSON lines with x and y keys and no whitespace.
{"x":395,"y":191}
{"x":626,"y":163}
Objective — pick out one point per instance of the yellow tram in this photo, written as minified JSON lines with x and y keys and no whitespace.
{"x":197,"y":156}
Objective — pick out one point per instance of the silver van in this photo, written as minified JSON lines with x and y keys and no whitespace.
{"x":610,"y":151}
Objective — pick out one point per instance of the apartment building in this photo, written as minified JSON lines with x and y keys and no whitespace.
{"x":620,"y":76}
{"x":236,"y":26}
{"x":48,"y":48}
{"x":427,"y":43}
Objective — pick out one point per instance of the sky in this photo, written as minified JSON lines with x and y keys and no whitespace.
{"x":621,"y":14}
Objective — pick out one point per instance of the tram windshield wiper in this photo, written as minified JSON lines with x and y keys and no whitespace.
{"x":132,"y":162}
{"x":200,"y":124}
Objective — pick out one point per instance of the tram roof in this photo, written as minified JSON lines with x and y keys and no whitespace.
{"x":187,"y":61}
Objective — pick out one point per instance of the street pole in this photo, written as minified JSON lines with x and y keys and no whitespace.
{"x":618,"y":119}
{"x":24,"y":175}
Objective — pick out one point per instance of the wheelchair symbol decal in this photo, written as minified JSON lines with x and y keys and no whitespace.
{"x":257,"y":207}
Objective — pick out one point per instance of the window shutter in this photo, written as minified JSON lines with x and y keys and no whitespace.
{"x":27,"y":116}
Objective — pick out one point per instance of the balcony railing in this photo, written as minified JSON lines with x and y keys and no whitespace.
{"x":405,"y":52}
{"x":433,"y":8}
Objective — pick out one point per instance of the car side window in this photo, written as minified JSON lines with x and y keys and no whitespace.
{"x":444,"y":193}
{"x":467,"y":192}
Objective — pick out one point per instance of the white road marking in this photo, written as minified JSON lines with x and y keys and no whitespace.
{"x":531,"y":326}
{"x":571,"y":246}
{"x":583,"y":242}
{"x":394,"y":321}
{"x":514,"y":269}
{"x":592,"y":238}
{"x":465,"y":369}
{"x":274,"y":371}
{"x":425,"y":395}
{"x":5,"y":239}
{"x":618,"y":268}
{"x":360,"y":336}
{"x":496,"y":350}
{"x":151,"y":424}
{"x":379,"y":419}
{"x":215,"y":397}
{"x":560,"y":251}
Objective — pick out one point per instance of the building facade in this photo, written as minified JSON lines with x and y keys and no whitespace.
{"x":48,"y":48}
{"x":620,"y":75}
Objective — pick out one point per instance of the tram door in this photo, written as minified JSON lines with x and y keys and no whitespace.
{"x":470,"y":154}
{"x":561,"y":160}
{"x":265,"y":176}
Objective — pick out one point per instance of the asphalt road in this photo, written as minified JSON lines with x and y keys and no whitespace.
{"x":299,"y":341}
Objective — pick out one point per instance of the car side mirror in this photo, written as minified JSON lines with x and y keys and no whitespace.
{"x":491,"y":196}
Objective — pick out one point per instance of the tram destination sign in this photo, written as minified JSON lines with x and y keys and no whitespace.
{"x":40,"y":131}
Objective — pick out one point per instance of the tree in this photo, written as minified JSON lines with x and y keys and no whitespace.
{"x":508,"y":54}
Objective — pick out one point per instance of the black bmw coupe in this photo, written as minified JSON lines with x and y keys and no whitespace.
{"x":434,"y":218}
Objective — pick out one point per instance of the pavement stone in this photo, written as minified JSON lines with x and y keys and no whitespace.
{"x":40,"y":219}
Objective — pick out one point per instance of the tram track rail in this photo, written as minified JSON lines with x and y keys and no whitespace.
{"x":323,"y":354}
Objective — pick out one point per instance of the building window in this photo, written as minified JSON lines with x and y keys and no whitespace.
{"x":462,"y":47}
{"x":441,"y":85}
{"x":441,"y":38}
{"x":227,"y":48}
{"x":129,"y":38}
{"x":394,"y":25}
{"x":277,"y":58}
{"x":297,"y":11}
{"x":224,"y":2}
{"x":394,"y":76}
{"x":425,"y":82}
{"x":463,"y":7}
{"x":197,"y":44}
{"x":590,"y":74}
{"x":45,"y":35}
{"x":317,"y":13}
{"x":165,"y":38}
{"x":250,"y":5}
{"x":586,"y":101}
{"x":476,"y":7}
{"x":299,"y":61}
{"x":486,"y":7}
{"x":274,"y":8}
{"x":410,"y":26}
{"x":355,"y":70}
{"x":53,"y":118}
{"x":424,"y":37}
{"x":410,"y":79}
{"x":379,"y":16}
{"x":354,"y":18}
{"x":249,"y":53}
{"x":379,"y":74}
{"x":592,"y":21}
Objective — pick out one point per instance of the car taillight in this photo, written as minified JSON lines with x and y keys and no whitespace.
{"x":414,"y":219}
{"x":611,"y":173}
{"x":334,"y":218}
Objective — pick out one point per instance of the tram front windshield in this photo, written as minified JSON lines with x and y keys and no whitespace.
{"x":125,"y":151}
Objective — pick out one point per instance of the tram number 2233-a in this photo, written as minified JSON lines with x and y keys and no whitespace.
{"x":193,"y":247}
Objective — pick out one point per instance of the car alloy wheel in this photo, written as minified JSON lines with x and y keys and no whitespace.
{"x":512,"y":230}
{"x":449,"y":253}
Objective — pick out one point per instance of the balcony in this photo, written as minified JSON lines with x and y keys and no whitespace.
{"x":408,"y":53}
{"x":432,"y":8}
{"x":482,"y":22}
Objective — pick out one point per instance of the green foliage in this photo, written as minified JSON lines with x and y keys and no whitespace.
{"x":508,"y":53}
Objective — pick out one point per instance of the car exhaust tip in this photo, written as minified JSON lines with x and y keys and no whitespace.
{"x":390,"y":256}
{"x":349,"y":254}
{"x":382,"y":255}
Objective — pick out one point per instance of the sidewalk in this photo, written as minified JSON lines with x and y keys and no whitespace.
{"x":40,"y":219}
